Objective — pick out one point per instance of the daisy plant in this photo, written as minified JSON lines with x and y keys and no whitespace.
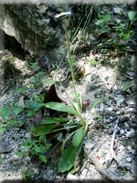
{"x":79,"y":127}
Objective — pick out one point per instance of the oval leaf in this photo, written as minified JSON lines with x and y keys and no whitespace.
{"x":41,"y":73}
{"x":54,"y":120}
{"x":92,"y":62}
{"x":61,"y":107}
{"x":126,"y":37}
{"x":132,"y":14}
{"x":104,"y":30}
{"x":4,"y":112}
{"x":20,"y":90}
{"x":107,"y":17}
{"x":43,"y":158}
{"x":43,"y":130}
{"x":100,"y":21}
{"x":126,"y":86}
{"x":17,"y":110}
{"x":2,"y":130}
{"x":68,"y":158}
{"x":77,"y":138}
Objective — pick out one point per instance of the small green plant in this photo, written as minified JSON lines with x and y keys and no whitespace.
{"x":37,"y":81}
{"x":132,"y":15}
{"x":102,"y":153}
{"x":126,"y":85}
{"x":80,"y":126}
{"x":25,"y":174}
{"x":11,"y":59}
{"x":122,"y":32}
{"x":21,"y":90}
{"x":37,"y":147}
{"x":31,"y":65}
{"x":32,"y":107}
{"x":4,"y":112}
{"x":92,"y":62}
{"x":105,"y":19}
{"x":1,"y":160}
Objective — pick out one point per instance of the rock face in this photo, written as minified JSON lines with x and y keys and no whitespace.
{"x":2,"y":84}
{"x":35,"y":28}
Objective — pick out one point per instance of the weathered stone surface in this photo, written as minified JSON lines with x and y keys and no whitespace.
{"x":5,"y":147}
{"x":35,"y":28}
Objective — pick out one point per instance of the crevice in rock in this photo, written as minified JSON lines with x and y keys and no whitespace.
{"x":11,"y":44}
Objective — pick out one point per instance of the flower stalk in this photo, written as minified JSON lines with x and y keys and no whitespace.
{"x":71,"y":67}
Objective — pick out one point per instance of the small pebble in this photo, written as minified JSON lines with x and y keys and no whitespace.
{"x":128,"y":160}
{"x":71,"y":177}
{"x":2,"y":156}
{"x":134,"y":152}
{"x":28,"y":135}
{"x":128,"y":134}
{"x":129,"y":148}
{"x":121,"y":131}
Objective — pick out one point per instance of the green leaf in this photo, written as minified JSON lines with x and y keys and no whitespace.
{"x":126,"y":37}
{"x":74,"y":102}
{"x":72,"y":61}
{"x":49,"y":81}
{"x":132,"y":15}
{"x":34,"y":64}
{"x":32,"y":104}
{"x":67,"y":159}
{"x":107,"y":17}
{"x":2,"y":129}
{"x":126,"y":86}
{"x":22,"y":89}
{"x":101,"y":100}
{"x":41,"y":105}
{"x":25,"y":153}
{"x":4,"y":112}
{"x":35,"y":79}
{"x":41,"y":73}
{"x":42,"y":138}
{"x":17,"y":110}
{"x":43,"y":130}
{"x":17,"y":153}
{"x":92,"y":62}
{"x":72,"y":171}
{"x":12,"y":59}
{"x":27,"y":144}
{"x":78,"y":137}
{"x":99,"y":12}
{"x":10,"y":122}
{"x":100,"y":21}
{"x":30,"y":113}
{"x":98,"y":116}
{"x":43,"y":158}
{"x":61,"y":107}
{"x":39,"y":149}
{"x":54,"y":120}
{"x":104,"y":30}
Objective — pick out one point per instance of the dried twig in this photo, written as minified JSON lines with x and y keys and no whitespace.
{"x":112,"y":148}
{"x":94,"y":150}
{"x":112,"y":142}
{"x":109,"y":174}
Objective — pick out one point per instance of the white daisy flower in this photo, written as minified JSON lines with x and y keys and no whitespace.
{"x":62,"y":13}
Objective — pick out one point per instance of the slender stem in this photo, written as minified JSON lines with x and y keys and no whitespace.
{"x":130,"y":26}
{"x":72,"y":74}
{"x":35,"y":29}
